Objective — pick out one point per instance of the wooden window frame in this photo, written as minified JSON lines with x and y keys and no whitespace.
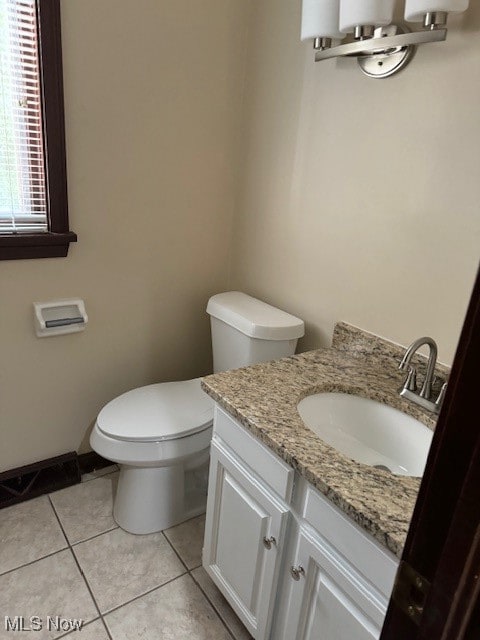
{"x":56,"y":241}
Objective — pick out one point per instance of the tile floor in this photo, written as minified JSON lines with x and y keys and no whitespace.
{"x":63,"y":555}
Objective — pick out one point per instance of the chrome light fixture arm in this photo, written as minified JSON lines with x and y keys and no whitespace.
{"x":384,"y":54}
{"x":381,"y":44}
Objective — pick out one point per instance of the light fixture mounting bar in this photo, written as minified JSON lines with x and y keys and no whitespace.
{"x":381,"y":45}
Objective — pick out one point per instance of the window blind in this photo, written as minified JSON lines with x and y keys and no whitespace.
{"x":23,"y":202}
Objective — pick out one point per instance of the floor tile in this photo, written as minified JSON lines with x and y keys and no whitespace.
{"x":187,"y":539}
{"x":52,"y":587}
{"x":176,"y":611}
{"x":28,"y":531}
{"x":99,"y":473}
{"x":85,"y":509}
{"x":224,"y":610}
{"x":92,"y":631}
{"x":119,"y":566}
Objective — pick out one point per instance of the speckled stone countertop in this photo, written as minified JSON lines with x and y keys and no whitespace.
{"x":264,"y":399}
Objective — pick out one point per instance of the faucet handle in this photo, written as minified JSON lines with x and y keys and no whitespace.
{"x":403,"y":362}
{"x":411,"y":380}
{"x":441,"y":396}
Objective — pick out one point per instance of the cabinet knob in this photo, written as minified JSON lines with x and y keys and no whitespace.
{"x":267,"y":542}
{"x":296,"y":572}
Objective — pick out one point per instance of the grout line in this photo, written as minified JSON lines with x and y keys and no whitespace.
{"x":86,"y":581}
{"x":175,"y":551}
{"x":211,"y":603}
{"x":101,"y":475}
{"x":189,"y":571}
{"x":104,"y":475}
{"x":107,"y":630}
{"x":97,"y":535}
{"x":173,"y":546}
{"x":159,"y":586}
{"x":84,"y":626}
{"x":199,"y":515}
{"x":80,"y":569}
{"x":27,"y":564}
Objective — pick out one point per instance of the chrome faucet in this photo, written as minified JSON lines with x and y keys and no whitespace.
{"x":409,"y":389}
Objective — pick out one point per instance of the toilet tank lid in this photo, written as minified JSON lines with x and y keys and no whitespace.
{"x":254,"y":318}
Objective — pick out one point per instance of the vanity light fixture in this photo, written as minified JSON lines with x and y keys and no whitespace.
{"x":381,"y":47}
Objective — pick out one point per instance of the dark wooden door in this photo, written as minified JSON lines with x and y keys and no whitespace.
{"x":443,"y":543}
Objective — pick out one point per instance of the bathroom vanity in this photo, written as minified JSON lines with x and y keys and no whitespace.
{"x":275,"y":544}
{"x":304,"y":542}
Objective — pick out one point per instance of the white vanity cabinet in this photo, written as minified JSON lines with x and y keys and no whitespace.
{"x":324,"y":602}
{"x":242,"y":549}
{"x":291,"y":565}
{"x":246,"y":527}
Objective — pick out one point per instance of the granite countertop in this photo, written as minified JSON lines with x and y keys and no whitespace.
{"x":264,"y":399}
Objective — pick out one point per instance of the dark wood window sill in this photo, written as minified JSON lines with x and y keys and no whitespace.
{"x":36,"y":245}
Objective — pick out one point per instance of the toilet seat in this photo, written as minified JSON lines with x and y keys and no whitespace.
{"x":157,"y":413}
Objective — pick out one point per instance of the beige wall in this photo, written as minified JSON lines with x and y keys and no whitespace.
{"x":153,"y":98}
{"x":359,"y":199}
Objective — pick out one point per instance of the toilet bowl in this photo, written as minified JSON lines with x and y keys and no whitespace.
{"x":157,"y":434}
{"x":160,"y":434}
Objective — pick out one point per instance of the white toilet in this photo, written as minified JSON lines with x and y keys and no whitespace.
{"x":160,"y":434}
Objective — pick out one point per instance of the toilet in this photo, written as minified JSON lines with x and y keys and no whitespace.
{"x":160,"y":434}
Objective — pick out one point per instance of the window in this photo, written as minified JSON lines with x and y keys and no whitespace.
{"x":33,"y":185}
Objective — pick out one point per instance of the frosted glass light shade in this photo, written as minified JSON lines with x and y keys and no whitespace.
{"x":320,"y":19}
{"x":353,"y":13}
{"x":416,"y":9}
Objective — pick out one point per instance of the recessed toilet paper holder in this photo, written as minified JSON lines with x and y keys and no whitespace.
{"x":59,"y":316}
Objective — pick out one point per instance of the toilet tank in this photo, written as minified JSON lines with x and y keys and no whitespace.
{"x":246,"y":331}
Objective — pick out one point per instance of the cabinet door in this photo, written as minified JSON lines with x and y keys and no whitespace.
{"x":244,"y":533}
{"x":327,"y":602}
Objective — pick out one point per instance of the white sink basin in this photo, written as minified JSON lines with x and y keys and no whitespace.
{"x":368,"y":431}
